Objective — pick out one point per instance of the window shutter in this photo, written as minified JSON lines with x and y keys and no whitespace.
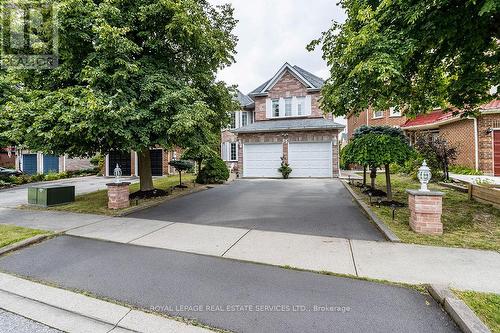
{"x":269,"y":106}
{"x":282,"y":107}
{"x":223,"y":150}
{"x":294,"y":106}
{"x":308,"y":105}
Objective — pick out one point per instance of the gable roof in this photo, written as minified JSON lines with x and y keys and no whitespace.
{"x":311,"y":81}
{"x":437,"y":117}
{"x":243,"y":99}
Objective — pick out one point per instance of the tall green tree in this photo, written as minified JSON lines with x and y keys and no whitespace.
{"x":375,"y":146}
{"x":132,"y":74}
{"x":412,"y":54}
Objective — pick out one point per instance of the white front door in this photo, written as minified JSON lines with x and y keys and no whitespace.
{"x":310,"y":159}
{"x":262,"y":160}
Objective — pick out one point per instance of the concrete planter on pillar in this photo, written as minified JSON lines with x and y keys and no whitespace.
{"x":118,"y":195}
{"x":426,"y":208}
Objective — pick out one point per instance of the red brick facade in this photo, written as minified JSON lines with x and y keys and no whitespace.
{"x":118,"y":196}
{"x":367,"y":118}
{"x":287,"y":86}
{"x":486,"y":125}
{"x":460,"y":134}
{"x":425,"y":213}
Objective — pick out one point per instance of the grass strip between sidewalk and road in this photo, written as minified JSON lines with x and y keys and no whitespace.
{"x":97,"y":202}
{"x":485,"y":305}
{"x":10,"y":234}
{"x":466,"y":223}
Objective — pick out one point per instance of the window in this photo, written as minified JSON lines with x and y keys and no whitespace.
{"x":276,"y":108}
{"x":233,"y":152}
{"x":233,"y":120}
{"x":288,"y":107}
{"x":378,"y":114}
{"x":394,"y":112}
{"x":301,"y":105}
{"x":244,"y":118}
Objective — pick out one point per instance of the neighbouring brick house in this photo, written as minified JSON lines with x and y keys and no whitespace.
{"x":282,"y":118}
{"x":7,"y":157}
{"x":477,"y":138}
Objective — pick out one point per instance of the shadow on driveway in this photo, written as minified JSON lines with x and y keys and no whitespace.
{"x":321,"y":207}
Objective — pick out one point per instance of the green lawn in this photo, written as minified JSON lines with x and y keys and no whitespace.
{"x":10,"y":234}
{"x":486,"y":306}
{"x":97,"y":202}
{"x":466,"y":223}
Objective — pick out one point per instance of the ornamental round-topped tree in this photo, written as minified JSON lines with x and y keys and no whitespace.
{"x":424,"y":176}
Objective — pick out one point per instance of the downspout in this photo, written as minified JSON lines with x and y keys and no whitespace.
{"x":476,"y":143}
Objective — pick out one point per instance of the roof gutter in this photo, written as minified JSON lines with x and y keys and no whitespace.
{"x":432,"y":125}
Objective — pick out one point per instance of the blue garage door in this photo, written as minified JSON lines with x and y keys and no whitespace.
{"x":50,"y":163}
{"x":29,"y":164}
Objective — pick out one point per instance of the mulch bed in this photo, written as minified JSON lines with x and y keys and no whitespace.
{"x":149,"y":194}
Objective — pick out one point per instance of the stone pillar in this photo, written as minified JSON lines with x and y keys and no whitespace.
{"x":425,"y":211}
{"x":118,"y":195}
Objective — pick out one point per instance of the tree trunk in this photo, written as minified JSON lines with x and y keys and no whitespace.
{"x":388,"y":182}
{"x":373,"y":176}
{"x":180,"y":178}
{"x":364,"y":175}
{"x":145,"y":175}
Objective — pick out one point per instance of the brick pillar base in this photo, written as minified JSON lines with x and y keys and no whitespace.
{"x":425,"y":211}
{"x":118,"y":195}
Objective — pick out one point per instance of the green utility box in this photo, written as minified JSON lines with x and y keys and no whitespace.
{"x":50,"y":195}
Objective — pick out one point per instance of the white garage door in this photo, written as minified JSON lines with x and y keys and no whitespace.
{"x":262,"y":160}
{"x":311,"y":159}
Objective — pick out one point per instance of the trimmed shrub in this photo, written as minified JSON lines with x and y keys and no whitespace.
{"x":463,"y":170}
{"x":214,"y":171}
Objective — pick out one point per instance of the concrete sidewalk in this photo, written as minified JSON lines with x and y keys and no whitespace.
{"x":459,"y":268}
{"x":73,"y":312}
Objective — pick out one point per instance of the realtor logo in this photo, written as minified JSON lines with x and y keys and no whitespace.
{"x":29,"y":35}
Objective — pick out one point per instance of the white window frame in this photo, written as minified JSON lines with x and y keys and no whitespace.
{"x":288,"y":106}
{"x":378,"y":114}
{"x":246,"y":114}
{"x":231,"y":145}
{"x":301,"y":105}
{"x":394,"y":112}
{"x":233,"y":123}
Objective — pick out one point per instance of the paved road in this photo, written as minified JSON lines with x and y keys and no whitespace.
{"x":19,"y":195}
{"x":186,"y":284}
{"x":12,"y":323}
{"x":304,"y":206}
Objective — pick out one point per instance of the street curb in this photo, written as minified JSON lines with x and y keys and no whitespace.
{"x":135,"y":209}
{"x":23,"y":243}
{"x":391,"y":236}
{"x":458,"y":310}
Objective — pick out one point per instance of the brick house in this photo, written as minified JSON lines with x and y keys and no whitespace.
{"x":477,"y":138}
{"x":282,"y":118}
{"x":33,"y":162}
{"x":129,"y":163}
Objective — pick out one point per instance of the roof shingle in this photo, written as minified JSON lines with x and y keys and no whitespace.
{"x":289,"y":125}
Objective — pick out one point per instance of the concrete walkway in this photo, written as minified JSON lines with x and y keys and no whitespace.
{"x":459,"y":268}
{"x":73,"y":312}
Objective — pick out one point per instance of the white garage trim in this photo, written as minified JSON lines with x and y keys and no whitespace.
{"x":311,"y":159}
{"x":262,"y":159}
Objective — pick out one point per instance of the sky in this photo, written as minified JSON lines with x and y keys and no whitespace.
{"x":272,"y":32}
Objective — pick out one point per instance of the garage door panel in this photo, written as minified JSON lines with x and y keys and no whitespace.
{"x":262,"y":160}
{"x":310,"y":159}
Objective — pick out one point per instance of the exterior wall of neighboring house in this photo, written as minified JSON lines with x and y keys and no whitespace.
{"x":289,"y":137}
{"x":460,"y":134}
{"x":64,"y":162}
{"x":370,"y":118}
{"x":287,"y":86}
{"x":487,"y":124}
{"x":7,"y":161}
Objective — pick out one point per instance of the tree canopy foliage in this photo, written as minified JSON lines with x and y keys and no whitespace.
{"x":412,"y":54}
{"x":132,"y":74}
{"x":375,"y":146}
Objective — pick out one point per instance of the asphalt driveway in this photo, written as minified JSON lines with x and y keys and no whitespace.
{"x":320,"y":207}
{"x":238,"y":296}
